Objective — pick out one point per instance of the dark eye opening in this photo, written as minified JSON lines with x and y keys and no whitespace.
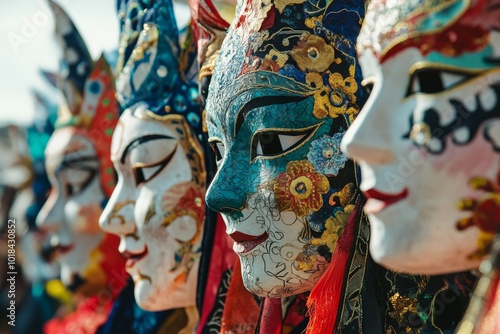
{"x":73,"y":189}
{"x":139,"y":176}
{"x":433,"y":81}
{"x":270,"y":143}
{"x":145,"y":173}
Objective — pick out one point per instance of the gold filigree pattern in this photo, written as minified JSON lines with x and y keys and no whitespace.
{"x":114,"y":213}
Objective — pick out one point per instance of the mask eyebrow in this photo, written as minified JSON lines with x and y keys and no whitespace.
{"x":76,"y":163}
{"x":138,"y":141}
{"x":263,"y":102}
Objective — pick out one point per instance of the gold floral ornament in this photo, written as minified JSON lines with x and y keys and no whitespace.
{"x":274,"y":60}
{"x":305,"y":261}
{"x":312,"y":54}
{"x":343,"y":196}
{"x":485,"y":213}
{"x":334,"y":227}
{"x":343,"y":94}
{"x":300,"y":188}
{"x":322,"y":103}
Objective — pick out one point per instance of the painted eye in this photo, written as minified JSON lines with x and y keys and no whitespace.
{"x":219,"y":150}
{"x":433,"y":81}
{"x":273,"y":142}
{"x":145,"y":172}
{"x":77,"y":180}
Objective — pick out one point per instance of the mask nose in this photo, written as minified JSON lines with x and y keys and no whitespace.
{"x":369,"y":137}
{"x":51,"y":215}
{"x":228,"y":190}
{"x":118,"y":217}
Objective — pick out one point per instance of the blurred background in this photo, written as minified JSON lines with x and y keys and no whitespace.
{"x":28,"y":45}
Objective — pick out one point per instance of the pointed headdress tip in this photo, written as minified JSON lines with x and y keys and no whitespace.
{"x":102,"y":63}
{"x":167,"y":24}
{"x":132,"y":14}
{"x":76,"y":59}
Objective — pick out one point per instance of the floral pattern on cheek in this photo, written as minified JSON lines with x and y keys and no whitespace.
{"x":185,"y":199}
{"x":485,"y":213}
{"x":299,"y":189}
{"x":325,"y":154}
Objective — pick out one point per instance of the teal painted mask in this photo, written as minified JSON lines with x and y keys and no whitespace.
{"x":284,"y":90}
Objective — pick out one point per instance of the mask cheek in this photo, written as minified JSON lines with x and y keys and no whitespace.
{"x":87,"y":219}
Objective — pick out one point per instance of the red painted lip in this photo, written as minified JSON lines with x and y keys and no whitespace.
{"x":132,"y":258}
{"x":378,"y":201}
{"x":245,"y":242}
{"x":60,"y":250}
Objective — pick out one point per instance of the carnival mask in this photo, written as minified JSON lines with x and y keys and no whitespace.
{"x":428,"y":138}
{"x":80,"y":171}
{"x":283,"y":92}
{"x":158,"y":207}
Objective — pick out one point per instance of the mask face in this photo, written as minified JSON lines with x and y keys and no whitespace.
{"x":158,"y":208}
{"x":71,"y":214}
{"x":281,"y":97}
{"x":428,"y":138}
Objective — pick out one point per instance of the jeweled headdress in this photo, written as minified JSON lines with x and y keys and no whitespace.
{"x":161,"y":72}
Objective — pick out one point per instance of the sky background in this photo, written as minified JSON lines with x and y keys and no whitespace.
{"x":27,"y":44}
